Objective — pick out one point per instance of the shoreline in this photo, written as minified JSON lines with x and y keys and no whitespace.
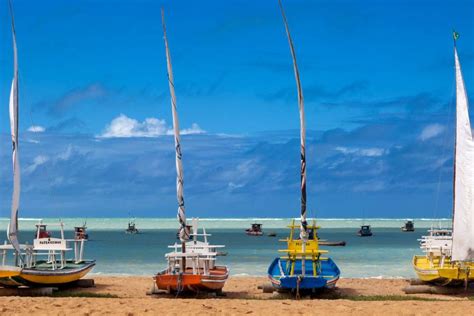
{"x":236,"y":276}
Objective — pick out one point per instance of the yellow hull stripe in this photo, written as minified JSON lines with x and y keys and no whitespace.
{"x":55,"y":278}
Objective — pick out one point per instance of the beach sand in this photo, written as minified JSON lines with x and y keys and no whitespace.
{"x":242,"y":297}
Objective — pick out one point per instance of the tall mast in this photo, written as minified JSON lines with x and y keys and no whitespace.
{"x":303,"y":234}
{"x":183,"y":232}
{"x":13,"y":227}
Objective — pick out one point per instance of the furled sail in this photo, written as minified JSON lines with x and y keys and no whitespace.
{"x":13,"y":227}
{"x":183,"y":232}
{"x":303,"y":226}
{"x":463,"y":221}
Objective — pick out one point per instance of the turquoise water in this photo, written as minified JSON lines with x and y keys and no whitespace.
{"x":387,"y":254}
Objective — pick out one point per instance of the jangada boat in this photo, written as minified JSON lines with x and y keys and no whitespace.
{"x":44,"y":262}
{"x":449,"y":255}
{"x":303,"y":269}
{"x":201,"y":273}
{"x":191,"y":266}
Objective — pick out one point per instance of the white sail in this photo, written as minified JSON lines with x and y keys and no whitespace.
{"x":183,"y":233}
{"x":302,"y":128}
{"x":463,"y":221}
{"x":13,"y":227}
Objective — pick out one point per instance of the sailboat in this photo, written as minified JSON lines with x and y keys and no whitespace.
{"x":449,"y":254}
{"x":191,"y":266}
{"x":44,"y":262}
{"x":303,"y":268}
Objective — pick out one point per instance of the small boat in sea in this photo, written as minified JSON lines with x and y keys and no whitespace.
{"x":448,"y":253}
{"x":364,"y":231}
{"x":302,"y":267}
{"x":409,"y":226}
{"x":255,"y":230}
{"x":131,"y":229}
{"x":191,"y":266}
{"x":44,"y":262}
{"x":80,"y":232}
{"x":272,"y":234}
{"x":42,"y":231}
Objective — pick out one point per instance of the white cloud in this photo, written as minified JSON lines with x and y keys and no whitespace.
{"x":36,"y":129}
{"x":365,"y":152}
{"x":124,"y":126}
{"x":194,"y":129}
{"x":431,"y":131}
{"x":37,"y":161}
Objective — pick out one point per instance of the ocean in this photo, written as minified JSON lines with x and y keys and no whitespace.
{"x":387,"y":254}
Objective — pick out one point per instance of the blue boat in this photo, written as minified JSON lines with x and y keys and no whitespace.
{"x":303,"y":270}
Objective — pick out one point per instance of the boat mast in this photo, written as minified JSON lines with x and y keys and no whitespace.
{"x":13,"y":226}
{"x":183,"y":232}
{"x":303,"y":225}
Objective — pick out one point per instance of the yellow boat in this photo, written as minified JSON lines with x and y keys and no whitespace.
{"x":42,"y":275}
{"x":30,"y":270}
{"x":449,"y":255}
{"x":443,"y":272}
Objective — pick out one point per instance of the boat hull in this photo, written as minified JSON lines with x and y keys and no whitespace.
{"x":327,"y":274}
{"x":189,"y":282}
{"x":9,"y":271}
{"x":252,"y":233}
{"x":443,"y":273}
{"x":40,"y":276}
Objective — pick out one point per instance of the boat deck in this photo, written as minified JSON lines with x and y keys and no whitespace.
{"x":70,"y":265}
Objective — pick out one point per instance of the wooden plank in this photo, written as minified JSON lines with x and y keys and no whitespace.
{"x":26,"y":291}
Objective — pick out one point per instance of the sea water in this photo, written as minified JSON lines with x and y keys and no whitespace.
{"x":387,"y":254}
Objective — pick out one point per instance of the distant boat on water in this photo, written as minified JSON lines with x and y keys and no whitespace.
{"x":364,"y":231}
{"x":409,"y":226}
{"x":255,"y":230}
{"x":80,"y":232}
{"x":131,"y":229}
{"x":42,"y":231}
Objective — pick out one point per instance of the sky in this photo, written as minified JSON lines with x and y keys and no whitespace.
{"x":95,"y":115}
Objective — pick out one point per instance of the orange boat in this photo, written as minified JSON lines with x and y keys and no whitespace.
{"x":213,"y":281}
{"x":198,"y":263}
{"x":191,"y":265}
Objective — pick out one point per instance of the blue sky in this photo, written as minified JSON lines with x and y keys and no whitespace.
{"x":378,"y":83}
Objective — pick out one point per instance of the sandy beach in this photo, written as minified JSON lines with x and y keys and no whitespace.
{"x":128,"y":297}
